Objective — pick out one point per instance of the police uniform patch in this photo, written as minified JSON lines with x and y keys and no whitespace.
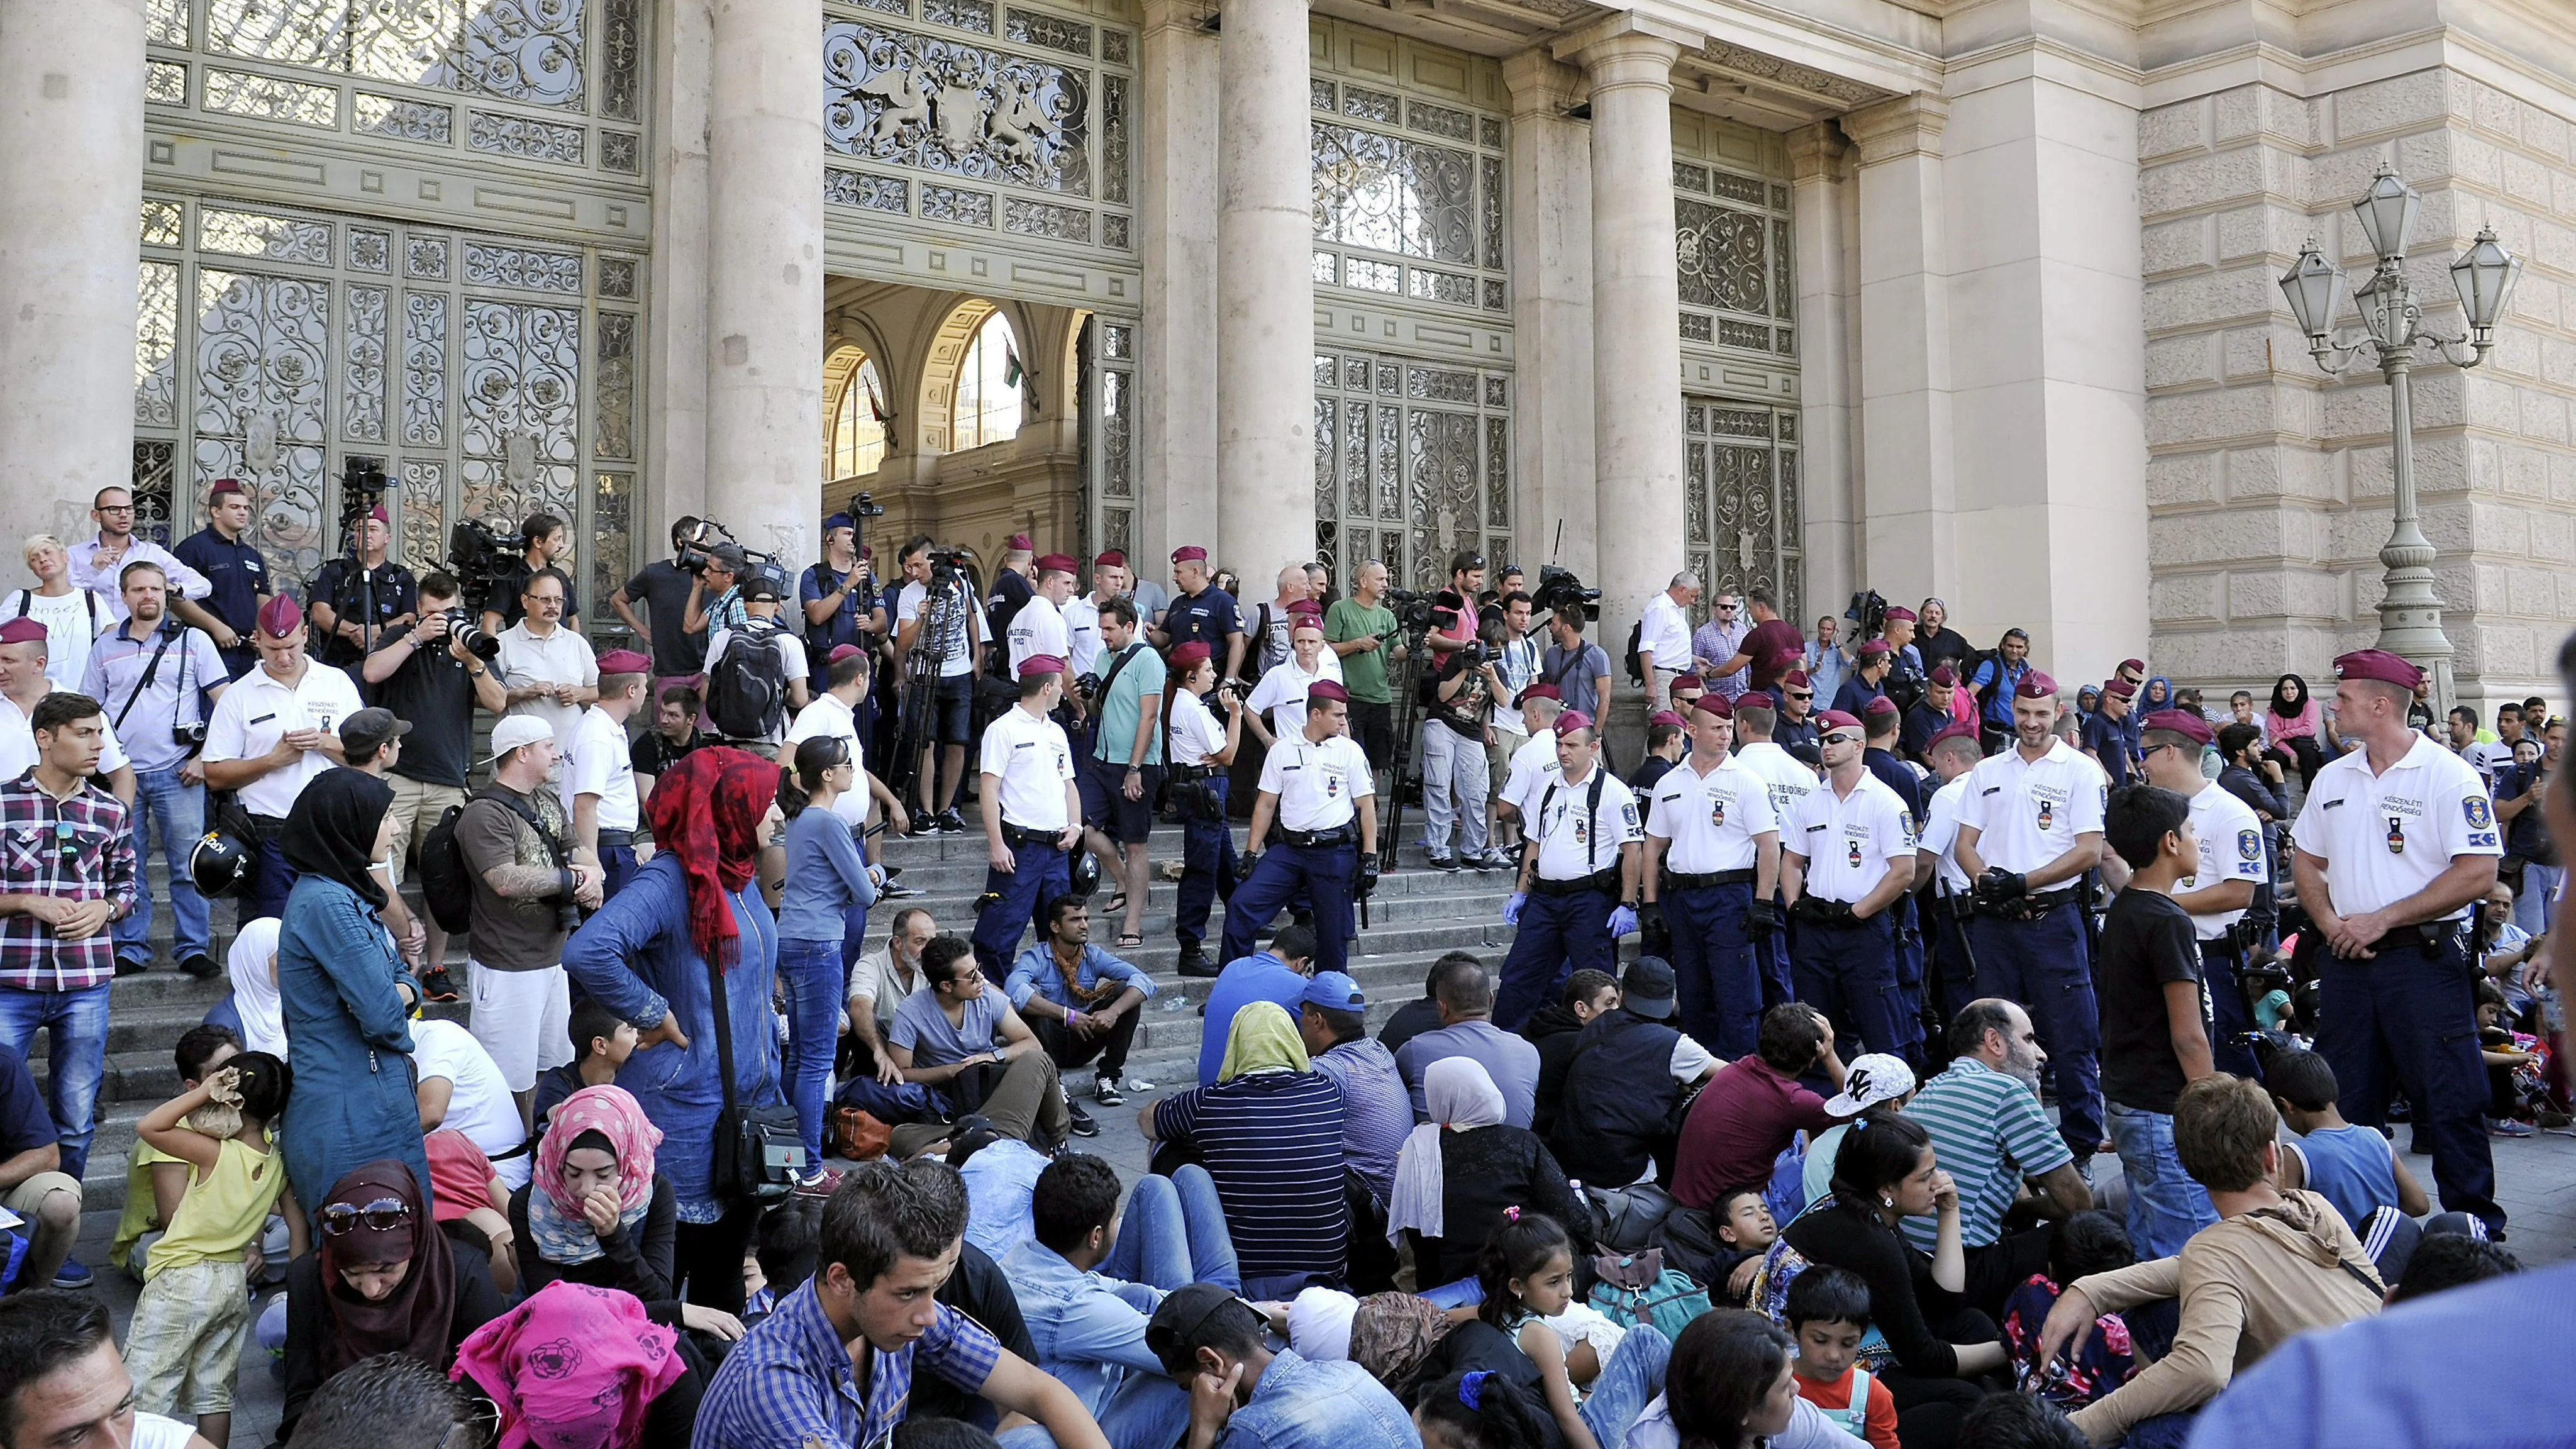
{"x":2396,"y":835}
{"x":2047,"y":813}
{"x":1628,"y":812}
{"x":1717,"y":810}
{"x":2479,"y":814}
{"x":1853,"y":854}
{"x":2249,"y":844}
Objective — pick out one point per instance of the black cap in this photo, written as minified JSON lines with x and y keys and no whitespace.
{"x":759,"y":588}
{"x":1647,"y":988}
{"x":366,"y":731}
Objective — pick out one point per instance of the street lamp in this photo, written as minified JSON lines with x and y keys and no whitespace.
{"x":2410,"y":614}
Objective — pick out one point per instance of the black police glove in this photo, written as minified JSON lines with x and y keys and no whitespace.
{"x":1366,"y":885}
{"x":1244,"y":863}
{"x":1763,"y":919}
{"x":1810,"y":908}
{"x":1999,"y":885}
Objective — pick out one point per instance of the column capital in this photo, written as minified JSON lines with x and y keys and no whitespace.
{"x":1816,"y":152}
{"x":1628,"y":48}
{"x":1541,"y":85}
{"x":1906,"y":126}
{"x":1189,"y":17}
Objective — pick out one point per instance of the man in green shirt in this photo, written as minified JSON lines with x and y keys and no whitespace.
{"x":1126,"y":760}
{"x":1358,"y":629}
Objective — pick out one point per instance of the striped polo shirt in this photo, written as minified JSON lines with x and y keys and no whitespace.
{"x":1273,"y":1143}
{"x":1988,"y":1133}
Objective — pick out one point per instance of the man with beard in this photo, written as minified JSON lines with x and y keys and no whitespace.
{"x":1989,"y":1134}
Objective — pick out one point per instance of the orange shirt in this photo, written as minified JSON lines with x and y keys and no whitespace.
{"x":1878,"y":1415}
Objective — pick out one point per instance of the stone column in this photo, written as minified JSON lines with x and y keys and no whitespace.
{"x":1265,"y":335}
{"x":1551,"y":222}
{"x":676,"y":356}
{"x":765,"y":273}
{"x":1907,"y":547}
{"x":1175,"y":377}
{"x":71,"y":189}
{"x":1636,"y":324}
{"x":1826,"y":395}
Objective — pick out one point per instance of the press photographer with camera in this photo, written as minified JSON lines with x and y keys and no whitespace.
{"x":715,"y":596}
{"x":1453,"y":751}
{"x":530,"y":882}
{"x":433,"y":673}
{"x":937,"y":618}
{"x":1467,"y":581}
{"x":664,"y":586}
{"x":355,"y":602}
{"x":155,"y":676}
{"x":838,"y":594}
{"x":545,"y":664}
{"x":545,"y":543}
{"x":272,"y":733}
{"x":1201,"y":749}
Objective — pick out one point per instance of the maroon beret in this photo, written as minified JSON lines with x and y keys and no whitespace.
{"x":1955,"y":730}
{"x":839,"y":653}
{"x":1187,"y":655}
{"x":1327,"y":689}
{"x":1796,"y":679}
{"x":2119,"y":688}
{"x":1830,"y":720}
{"x":1874,"y":649}
{"x":1901,"y":612}
{"x":1689,"y":681}
{"x":1058,"y":563}
{"x":1665,"y":717}
{"x":1880,"y":704}
{"x":22,"y":631}
{"x":2184,"y":722}
{"x":624,"y":661}
{"x":1944,"y":676}
{"x":2035,"y":685}
{"x":1019,"y":543}
{"x":1573,"y":719}
{"x":280,"y":617}
{"x":1542,"y":690}
{"x":1189,"y":553}
{"x":1041,"y":664}
{"x":1715,"y":704}
{"x":1110,"y":558}
{"x":2378,"y":664}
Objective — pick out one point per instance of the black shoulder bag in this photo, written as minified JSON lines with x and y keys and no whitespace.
{"x":760,"y":1150}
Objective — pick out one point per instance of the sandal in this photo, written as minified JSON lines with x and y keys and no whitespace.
{"x":1131,"y":941}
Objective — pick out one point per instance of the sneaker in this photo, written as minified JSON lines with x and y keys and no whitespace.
{"x":949,"y":822}
{"x":1080,"y":1123}
{"x":201,"y":966}
{"x":128,"y":966}
{"x":1492,"y":860}
{"x":1105,"y":1092}
{"x":73,"y":1274}
{"x":1440,"y":860}
{"x":896,"y":890}
{"x":1195,"y":963}
{"x":818,"y":1183}
{"x":2507,"y":1127}
{"x":438,"y":985}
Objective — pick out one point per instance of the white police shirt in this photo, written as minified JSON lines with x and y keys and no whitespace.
{"x":2385,"y":837}
{"x":1196,"y":731}
{"x":1038,"y":628}
{"x":1030,"y":754}
{"x":1319,"y":785}
{"x":2231,"y":848}
{"x":601,"y":763}
{"x":1282,"y":691}
{"x":1533,"y":768}
{"x":1081,"y":633}
{"x":1714,"y":821}
{"x":18,"y":753}
{"x":1941,"y":835}
{"x":2029,"y":812}
{"x":258,"y":710}
{"x":1573,"y":842}
{"x":1790,"y":780}
{"x":1849,"y":841}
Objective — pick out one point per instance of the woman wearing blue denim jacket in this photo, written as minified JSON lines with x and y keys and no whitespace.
{"x":650,"y":954}
{"x":823,"y":904}
{"x":347,"y":1022}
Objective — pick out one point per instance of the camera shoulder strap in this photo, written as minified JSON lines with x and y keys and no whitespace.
{"x":519,"y":807}
{"x":150,"y":668}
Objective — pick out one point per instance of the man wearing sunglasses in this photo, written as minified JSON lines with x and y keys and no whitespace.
{"x":1847,"y":858}
{"x":2217,"y":893}
{"x":98,"y":564}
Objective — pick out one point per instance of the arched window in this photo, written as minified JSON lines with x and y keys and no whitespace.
{"x":987,"y":406}
{"x":855,"y":441}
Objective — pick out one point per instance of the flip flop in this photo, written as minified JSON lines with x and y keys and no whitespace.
{"x":1130,"y":941}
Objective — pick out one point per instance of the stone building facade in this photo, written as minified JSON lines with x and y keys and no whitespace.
{"x":1931,"y":296}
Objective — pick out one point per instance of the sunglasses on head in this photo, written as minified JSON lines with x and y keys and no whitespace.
{"x":385,"y":1214}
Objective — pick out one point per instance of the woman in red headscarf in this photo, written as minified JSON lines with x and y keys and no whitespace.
{"x":692,"y":916}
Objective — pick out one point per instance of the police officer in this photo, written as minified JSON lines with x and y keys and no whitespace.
{"x":1201,"y":748}
{"x":1032,"y":815}
{"x":222,"y":551}
{"x":1580,"y":859}
{"x":1947,"y":894}
{"x":1712,"y":865}
{"x":1790,"y":779}
{"x":1847,"y":857}
{"x":1316,"y":786}
{"x":2030,"y":826}
{"x":2222,"y":886}
{"x":2397,"y":843}
{"x":1881,"y":721}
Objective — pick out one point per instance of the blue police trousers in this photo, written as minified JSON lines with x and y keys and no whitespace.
{"x":1717,"y":967}
{"x":1558,"y":936}
{"x":1040,"y":872}
{"x":1207,"y":868}
{"x":2406,"y":1020}
{"x":1848,"y":972}
{"x":1321,"y":875}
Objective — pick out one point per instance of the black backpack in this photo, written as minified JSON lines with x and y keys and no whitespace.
{"x":1636,"y":652}
{"x":747,"y":688}
{"x":447,"y":880}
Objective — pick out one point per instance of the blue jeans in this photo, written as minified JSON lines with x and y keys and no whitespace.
{"x":267,"y":894}
{"x":1464,"y":1293}
{"x":809,"y":975}
{"x":76,"y":1042}
{"x":180,"y":810}
{"x":1173,"y":1234}
{"x":1626,"y":1384}
{"x":2536,"y":904}
{"x":2165,"y":1206}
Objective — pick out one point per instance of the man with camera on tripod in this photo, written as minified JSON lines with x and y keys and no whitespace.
{"x":151,"y":672}
{"x":357,"y":601}
{"x":431,"y":676}
{"x":939,"y":631}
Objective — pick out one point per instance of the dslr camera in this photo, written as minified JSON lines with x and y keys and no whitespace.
{"x":1419,"y":611}
{"x":467,"y":630}
{"x":1560,"y":592}
{"x":864,"y":505}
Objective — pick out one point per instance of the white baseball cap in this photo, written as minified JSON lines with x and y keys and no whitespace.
{"x":515,"y":730}
{"x":1873,"y":1077}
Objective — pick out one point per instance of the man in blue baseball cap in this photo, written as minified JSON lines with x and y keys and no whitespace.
{"x":1377,"y":1115}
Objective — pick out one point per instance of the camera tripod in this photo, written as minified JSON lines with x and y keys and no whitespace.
{"x":921,"y":675}
{"x":1407,"y":725}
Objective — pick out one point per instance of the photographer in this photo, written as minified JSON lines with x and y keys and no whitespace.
{"x":1359,"y":629}
{"x":428,"y":675}
{"x":1515,"y":669}
{"x":960,"y":634}
{"x":1201,"y":748}
{"x":356,"y":602}
{"x":1124,"y":769}
{"x":715,"y":596}
{"x":272,"y":732}
{"x":544,"y":545}
{"x":545,"y":664}
{"x":527,"y":882}
{"x":153,"y":674}
{"x":839,"y":597}
{"x":1579,"y":668}
{"x":678,"y":655}
{"x":1453,"y":755}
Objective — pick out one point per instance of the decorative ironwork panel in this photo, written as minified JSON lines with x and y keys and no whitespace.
{"x":1370,"y":276}
{"x":1751,"y":335}
{"x":1739,"y":422}
{"x":267,"y":97}
{"x":1492,"y":199}
{"x":1394,"y":195}
{"x":1441,"y":469}
{"x":423,"y":503}
{"x":1498,"y":478}
{"x":868,"y":193}
{"x":1443,"y":121}
{"x":1113,"y":139}
{"x":1736,"y":188}
{"x":422,"y":121}
{"x":424,"y":405}
{"x":492,"y":264}
{"x":944,"y":105}
{"x":1390,"y":379}
{"x":613,"y":433}
{"x":1490,"y":132}
{"x":370,"y":250}
{"x":1793,"y":508}
{"x":156,"y":345}
{"x":1696,"y":327}
{"x":1327,"y":452}
{"x":1689,"y":177}
{"x":1742,"y":508}
{"x":612,"y":528}
{"x":1114,"y":46}
{"x":1386,"y":461}
{"x":1319,"y":95}
{"x":522,"y":390}
{"x":1695,"y":498}
{"x":948,"y":203}
{"x":1355,"y":460}
{"x":617,"y":278}
{"x":972,"y":15}
{"x":1046,"y":219}
{"x":519,"y":50}
{"x":425,"y":259}
{"x":1047,"y":32}
{"x":621,"y":55}
{"x":1328,"y":371}
{"x":1496,"y":298}
{"x":1113,"y":232}
{"x":1431,"y":286}
{"x":261,"y":404}
{"x":1498,"y":392}
{"x":154,"y":482}
{"x":165,"y":83}
{"x":1440,"y":384}
{"x":165,"y":22}
{"x":527,"y":138}
{"x":621,"y":151}
{"x":1118,"y":342}
{"x":1369,"y":105}
{"x":362,"y":366}
{"x":1117,"y":429}
{"x":1723,"y":255}
{"x":161,"y":223}
{"x":1788,"y":425}
{"x":264,"y":235}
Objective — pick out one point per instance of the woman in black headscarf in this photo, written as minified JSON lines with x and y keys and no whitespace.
{"x":337,"y":974}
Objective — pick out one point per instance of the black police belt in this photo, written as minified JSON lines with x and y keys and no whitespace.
{"x":1020,"y":835}
{"x":2426,"y":936}
{"x":1182,"y":774}
{"x":2030,"y":907}
{"x":1605,"y":881}
{"x":2238,"y":938}
{"x":1320,"y":839}
{"x":1682,"y":882}
{"x":616,"y":839}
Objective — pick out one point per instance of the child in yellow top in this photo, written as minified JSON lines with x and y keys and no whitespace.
{"x":185,"y":1343}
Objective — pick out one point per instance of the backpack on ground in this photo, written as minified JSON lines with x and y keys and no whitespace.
{"x":1636,"y":656}
{"x":747,"y":688}
{"x":1636,"y":1288}
{"x":1769,"y":1296}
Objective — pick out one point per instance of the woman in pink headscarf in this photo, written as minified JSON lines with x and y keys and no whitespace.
{"x":577,"y":1367}
{"x":598,"y":1212}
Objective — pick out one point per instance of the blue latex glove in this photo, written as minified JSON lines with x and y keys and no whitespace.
{"x":1623,"y":921}
{"x":1512,"y":908}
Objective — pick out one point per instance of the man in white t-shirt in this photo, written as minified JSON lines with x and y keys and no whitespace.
{"x":1282,"y":690}
{"x":460,"y":1086}
{"x":63,"y":1382}
{"x":598,"y":778}
{"x":276,"y":728}
{"x":1664,"y":637}
{"x":958,"y":634}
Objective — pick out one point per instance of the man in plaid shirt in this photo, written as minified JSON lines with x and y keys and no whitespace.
{"x":66,"y":872}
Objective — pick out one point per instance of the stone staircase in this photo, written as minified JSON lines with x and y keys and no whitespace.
{"x":1417,"y":915}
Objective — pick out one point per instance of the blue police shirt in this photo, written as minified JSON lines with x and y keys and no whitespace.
{"x":1205,"y":617}
{"x":235,"y":569}
{"x":842,"y":628}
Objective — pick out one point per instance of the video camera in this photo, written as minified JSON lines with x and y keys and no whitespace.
{"x":864,"y":505}
{"x":1868,"y":613}
{"x":1560,"y":592}
{"x":699,"y":542}
{"x":1420,"y":611}
{"x":480,"y":558}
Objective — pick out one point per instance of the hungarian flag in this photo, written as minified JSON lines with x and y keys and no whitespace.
{"x":1011,"y":370}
